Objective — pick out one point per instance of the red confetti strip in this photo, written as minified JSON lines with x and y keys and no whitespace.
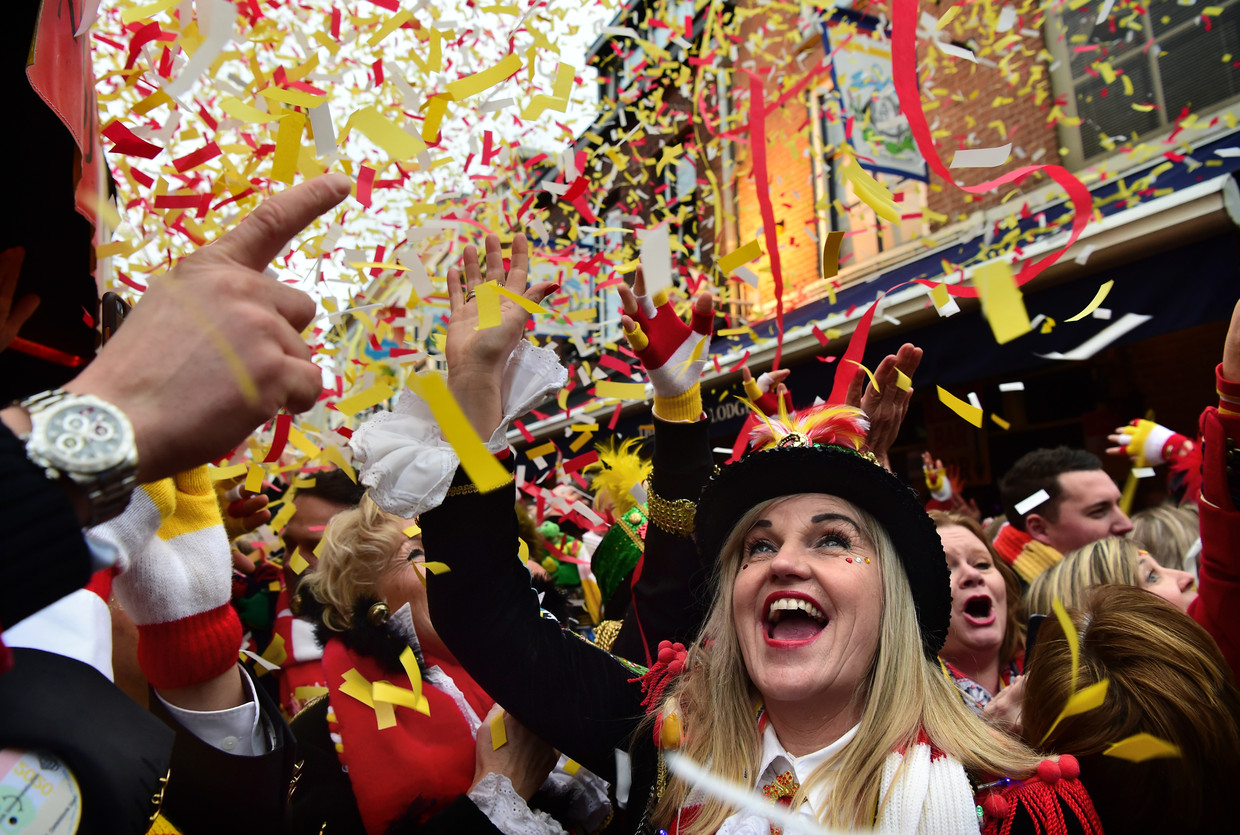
{"x":904,"y":71}
{"x":612,"y":364}
{"x":856,"y":349}
{"x":365,"y":182}
{"x":278,"y":441}
{"x":129,"y":144}
{"x":762,"y":185}
{"x":572,"y":465}
{"x":196,"y":158}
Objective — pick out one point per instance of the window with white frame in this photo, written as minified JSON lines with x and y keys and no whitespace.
{"x":838,"y":208}
{"x":1132,"y":74}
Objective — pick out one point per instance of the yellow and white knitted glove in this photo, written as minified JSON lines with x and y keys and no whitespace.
{"x":175,"y":579}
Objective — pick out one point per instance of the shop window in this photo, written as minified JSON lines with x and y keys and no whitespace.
{"x":867,"y":236}
{"x":1170,"y":58}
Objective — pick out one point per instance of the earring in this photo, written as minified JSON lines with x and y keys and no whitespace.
{"x":378,"y":614}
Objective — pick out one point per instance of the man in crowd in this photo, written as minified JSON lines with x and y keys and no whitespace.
{"x":1056,"y":500}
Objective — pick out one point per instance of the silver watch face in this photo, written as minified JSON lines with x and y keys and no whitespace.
{"x":84,"y":438}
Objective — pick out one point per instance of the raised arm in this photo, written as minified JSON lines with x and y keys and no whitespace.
{"x":483,"y":606}
{"x":668,"y":602}
{"x":1217,"y":607}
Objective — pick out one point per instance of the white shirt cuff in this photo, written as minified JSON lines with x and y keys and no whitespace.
{"x":236,"y":730}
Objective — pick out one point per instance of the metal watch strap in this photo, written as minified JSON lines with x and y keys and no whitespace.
{"x":107,"y":492}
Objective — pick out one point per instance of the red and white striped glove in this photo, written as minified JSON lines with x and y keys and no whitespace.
{"x":176,"y":580}
{"x":674,"y":353}
{"x":1149,"y":444}
{"x":767,"y":391}
{"x":937,"y":482}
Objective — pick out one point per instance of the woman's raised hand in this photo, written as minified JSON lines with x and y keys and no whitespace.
{"x":673,"y":352}
{"x":766,"y":391}
{"x":477,"y":356}
{"x":884,"y":402}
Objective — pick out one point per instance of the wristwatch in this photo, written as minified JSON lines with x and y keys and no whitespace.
{"x":88,"y":441}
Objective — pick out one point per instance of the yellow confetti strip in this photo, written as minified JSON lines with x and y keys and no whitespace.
{"x":542,"y":449}
{"x":489,"y":313}
{"x":275,"y":651}
{"x":254,"y":478}
{"x":1000,"y":422}
{"x":240,"y":110}
{"x":1002,"y":302}
{"x":367,"y":399}
{"x":223,"y":473}
{"x":333,"y":454}
{"x":1141,"y":747}
{"x":391,"y":25}
{"x":296,"y":98}
{"x":963,"y":408}
{"x":1082,"y":701}
{"x":282,"y":518}
{"x":1069,"y":633}
{"x":288,"y":145}
{"x":519,"y":299}
{"x":435,"y":110}
{"x":736,"y":257}
{"x":471,"y":85}
{"x":381,"y":691}
{"x":561,"y":88}
{"x":871,"y":192}
{"x":149,"y":10}
{"x":356,"y":685}
{"x":297,"y":563}
{"x":620,"y":391}
{"x":499,"y":734}
{"x":399,"y":144}
{"x":902,"y":381}
{"x":869,"y":374}
{"x":306,"y":692}
{"x":301,"y":443}
{"x":831,"y":255}
{"x":484,"y":471}
{"x":1093,"y":305}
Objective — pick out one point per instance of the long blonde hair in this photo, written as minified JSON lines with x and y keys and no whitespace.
{"x":359,"y":545}
{"x":717,"y":701}
{"x":1110,"y":560}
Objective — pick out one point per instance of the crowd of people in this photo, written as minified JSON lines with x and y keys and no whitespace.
{"x":801,"y":622}
{"x":831,"y":646}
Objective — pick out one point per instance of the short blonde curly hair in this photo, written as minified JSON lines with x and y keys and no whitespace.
{"x":357,"y":552}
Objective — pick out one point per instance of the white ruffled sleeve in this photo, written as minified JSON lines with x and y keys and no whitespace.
{"x":402,"y":455}
{"x":495,"y":797}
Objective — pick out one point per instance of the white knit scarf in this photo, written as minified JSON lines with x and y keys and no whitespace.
{"x":926,"y":792}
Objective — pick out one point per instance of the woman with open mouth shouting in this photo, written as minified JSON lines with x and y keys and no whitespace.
{"x":984,"y":651}
{"x":814,"y":681}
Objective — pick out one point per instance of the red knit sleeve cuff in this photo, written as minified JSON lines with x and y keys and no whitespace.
{"x":1228,"y":402}
{"x":1228,"y":390}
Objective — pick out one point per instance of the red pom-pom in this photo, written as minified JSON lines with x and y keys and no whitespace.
{"x":669,"y":651}
{"x":1049,"y":772}
{"x":995,"y":805}
{"x":1069,"y":767}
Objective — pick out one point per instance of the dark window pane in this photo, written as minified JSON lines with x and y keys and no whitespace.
{"x":1166,"y":15}
{"x":1192,"y":69}
{"x":1113,"y":114}
{"x":1105,"y":44}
